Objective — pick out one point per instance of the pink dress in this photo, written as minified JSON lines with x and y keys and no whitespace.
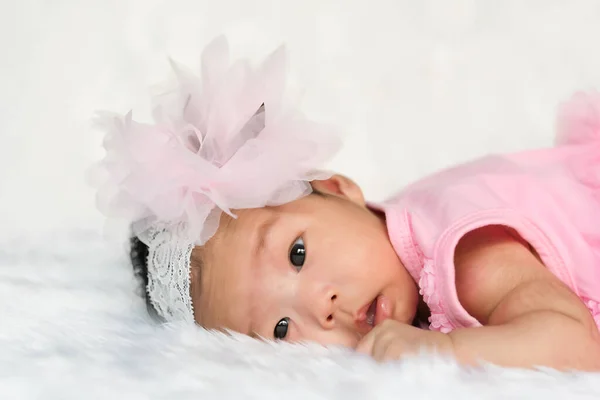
{"x":551,"y":197}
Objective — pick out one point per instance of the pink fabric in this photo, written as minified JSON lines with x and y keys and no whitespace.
{"x":551,"y":197}
{"x":222,"y":139}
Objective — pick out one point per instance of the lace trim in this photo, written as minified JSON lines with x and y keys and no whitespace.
{"x":438,"y":320}
{"x":169,"y":254}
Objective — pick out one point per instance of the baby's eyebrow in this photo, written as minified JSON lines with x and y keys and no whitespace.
{"x":262,"y":232}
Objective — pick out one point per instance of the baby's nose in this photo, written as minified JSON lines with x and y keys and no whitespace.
{"x":325,"y":308}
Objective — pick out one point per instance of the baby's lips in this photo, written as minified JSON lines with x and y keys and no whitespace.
{"x":383,"y":310}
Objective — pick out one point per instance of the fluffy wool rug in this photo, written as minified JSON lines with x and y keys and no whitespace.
{"x":416,"y":85}
{"x":73,"y":328}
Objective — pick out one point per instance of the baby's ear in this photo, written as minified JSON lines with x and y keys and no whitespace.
{"x":341,"y":186}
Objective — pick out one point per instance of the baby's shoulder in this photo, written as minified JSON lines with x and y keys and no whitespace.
{"x":489,"y":262}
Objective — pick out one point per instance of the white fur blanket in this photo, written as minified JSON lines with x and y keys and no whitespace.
{"x":72,"y":328}
{"x":417,"y":85}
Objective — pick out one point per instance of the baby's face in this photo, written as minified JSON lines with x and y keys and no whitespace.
{"x":303,"y":271}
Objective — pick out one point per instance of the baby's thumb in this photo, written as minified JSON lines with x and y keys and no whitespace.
{"x":365,"y":345}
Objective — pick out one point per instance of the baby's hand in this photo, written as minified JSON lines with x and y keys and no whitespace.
{"x":392,"y":340}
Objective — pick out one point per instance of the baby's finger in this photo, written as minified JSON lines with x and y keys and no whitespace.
{"x":387,"y":350}
{"x":365,"y":345}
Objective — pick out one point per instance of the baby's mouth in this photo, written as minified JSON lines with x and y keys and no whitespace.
{"x":365,"y":317}
{"x":372,"y":314}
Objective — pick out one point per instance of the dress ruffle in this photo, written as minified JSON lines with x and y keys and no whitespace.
{"x":438,"y":320}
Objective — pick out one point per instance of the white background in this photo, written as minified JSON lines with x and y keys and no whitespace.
{"x":416,"y":85}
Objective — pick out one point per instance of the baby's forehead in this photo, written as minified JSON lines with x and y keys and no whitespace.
{"x":240,"y":228}
{"x":248,"y":221}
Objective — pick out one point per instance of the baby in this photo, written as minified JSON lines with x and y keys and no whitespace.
{"x":235,"y":228}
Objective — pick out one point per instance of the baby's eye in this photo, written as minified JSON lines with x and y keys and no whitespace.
{"x":281,"y":329}
{"x":298,"y":254}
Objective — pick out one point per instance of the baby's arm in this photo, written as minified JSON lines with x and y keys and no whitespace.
{"x":530,"y":318}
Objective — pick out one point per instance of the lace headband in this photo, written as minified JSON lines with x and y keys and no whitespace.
{"x":223,"y":141}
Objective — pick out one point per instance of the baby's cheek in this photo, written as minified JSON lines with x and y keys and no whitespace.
{"x":334,"y":337}
{"x":339,"y":339}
